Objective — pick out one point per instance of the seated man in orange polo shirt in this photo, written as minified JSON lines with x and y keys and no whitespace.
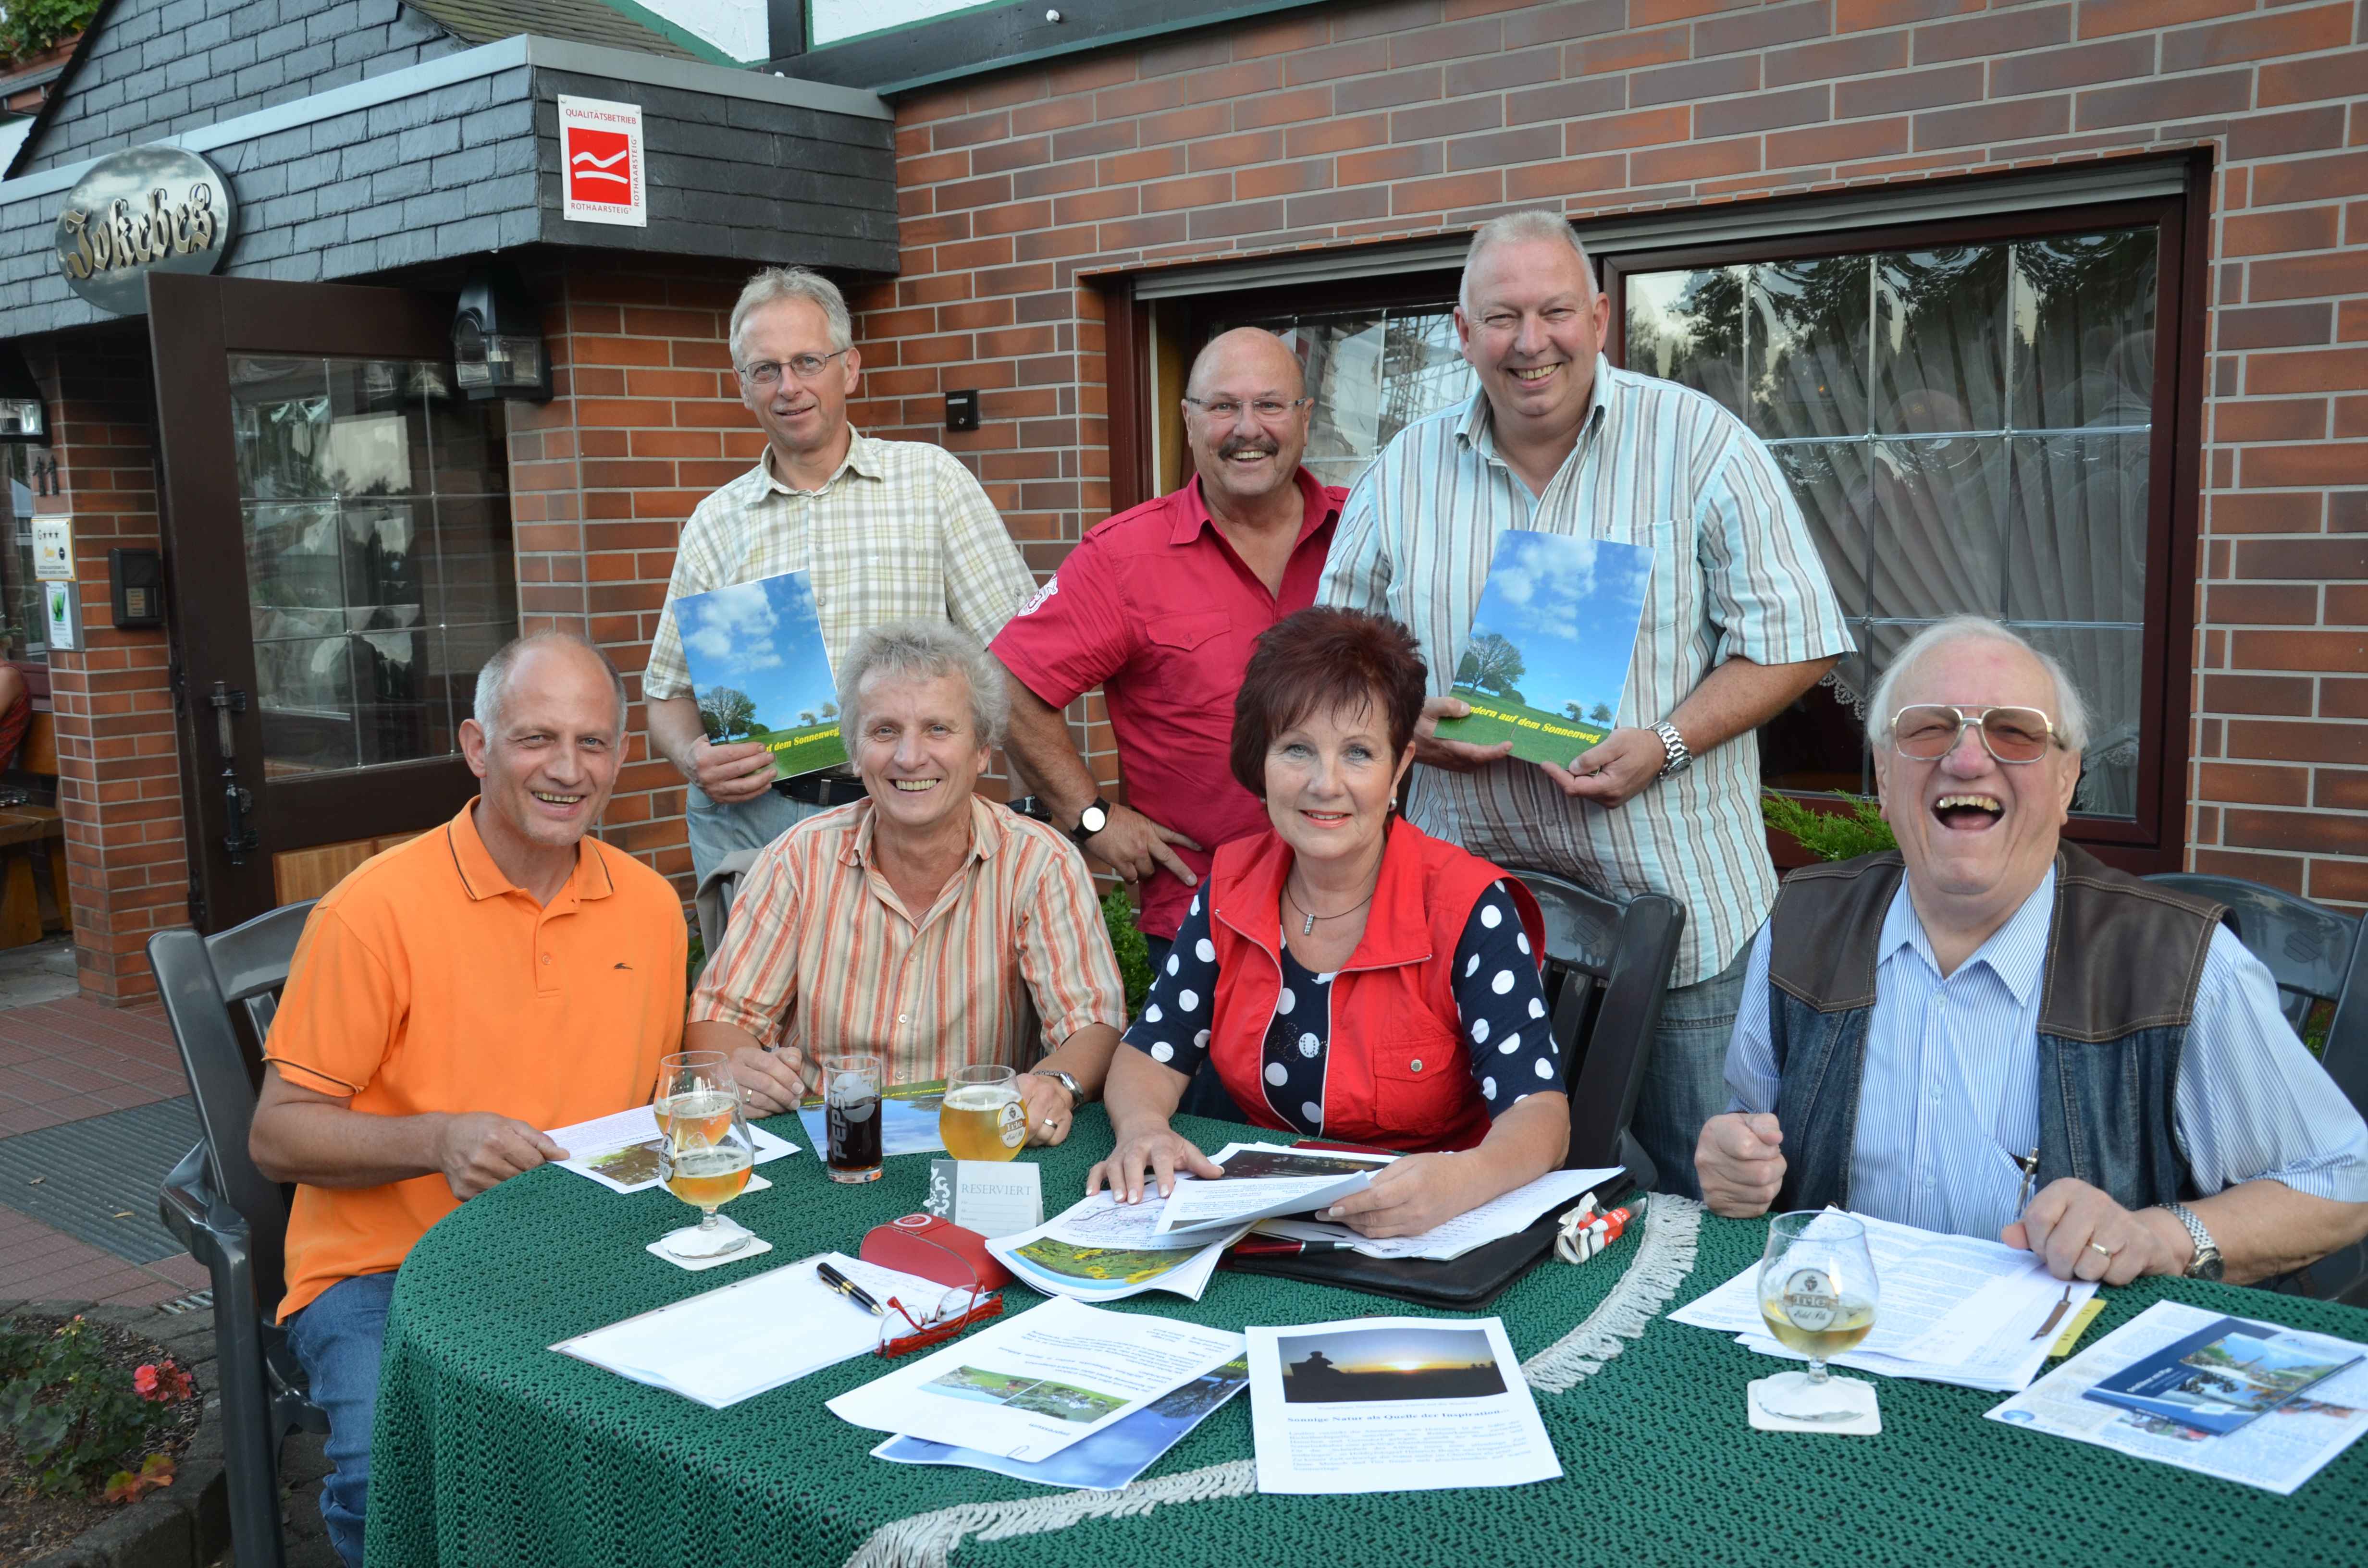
{"x":452,"y":998}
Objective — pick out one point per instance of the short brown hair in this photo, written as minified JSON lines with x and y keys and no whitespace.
{"x":1325,"y":659}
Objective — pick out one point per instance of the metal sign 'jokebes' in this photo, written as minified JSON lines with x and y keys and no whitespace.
{"x":142,"y":210}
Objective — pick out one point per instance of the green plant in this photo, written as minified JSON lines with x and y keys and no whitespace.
{"x":74,"y":1417}
{"x":31,"y":26}
{"x":1831,"y":835}
{"x":1127,"y":942}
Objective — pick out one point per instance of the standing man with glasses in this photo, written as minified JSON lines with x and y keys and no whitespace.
{"x":1740,"y":621}
{"x":886,"y":530}
{"x":1160,"y":607}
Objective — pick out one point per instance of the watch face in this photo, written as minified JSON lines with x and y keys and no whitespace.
{"x":1093,"y":819}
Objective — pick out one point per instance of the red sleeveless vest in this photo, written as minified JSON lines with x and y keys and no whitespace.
{"x":1398,"y":1073}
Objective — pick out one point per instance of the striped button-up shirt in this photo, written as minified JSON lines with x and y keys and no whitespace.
{"x":901,"y":531}
{"x":1735,"y":575}
{"x":1008,"y":962}
{"x":1948,"y":1098}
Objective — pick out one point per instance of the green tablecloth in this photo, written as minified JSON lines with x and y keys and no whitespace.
{"x":490,"y":1451}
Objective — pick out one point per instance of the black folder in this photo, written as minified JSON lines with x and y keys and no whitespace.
{"x":1464,"y":1283}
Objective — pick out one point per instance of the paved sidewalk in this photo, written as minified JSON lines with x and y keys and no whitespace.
{"x":64,"y":1060}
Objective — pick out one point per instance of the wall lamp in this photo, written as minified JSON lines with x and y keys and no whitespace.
{"x":497,"y":348}
{"x":22,"y":420}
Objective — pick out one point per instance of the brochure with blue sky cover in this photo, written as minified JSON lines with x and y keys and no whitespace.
{"x":761,"y":672}
{"x":1548,"y":657}
{"x":2225,"y":1374}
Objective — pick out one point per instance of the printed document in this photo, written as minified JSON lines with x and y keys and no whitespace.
{"x":732,"y":1342}
{"x":1238,"y":1198}
{"x":620,"y":1151}
{"x":1031,"y":1385}
{"x":1108,"y":1459}
{"x":1950,"y":1309}
{"x":1393,"y":1404}
{"x":1101,"y":1250}
{"x":1510,"y":1214}
{"x":2279,"y":1452}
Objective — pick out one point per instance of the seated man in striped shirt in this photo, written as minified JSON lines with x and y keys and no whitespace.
{"x":921,"y":924}
{"x":1953,"y":1035}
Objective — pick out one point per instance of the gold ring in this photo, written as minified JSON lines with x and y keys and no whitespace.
{"x":1048,"y":1122}
{"x":2106,"y":1252}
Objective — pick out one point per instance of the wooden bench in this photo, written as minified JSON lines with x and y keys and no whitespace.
{"x":30,"y":834}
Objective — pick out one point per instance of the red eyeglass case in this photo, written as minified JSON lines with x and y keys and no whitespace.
{"x":880,"y":1248}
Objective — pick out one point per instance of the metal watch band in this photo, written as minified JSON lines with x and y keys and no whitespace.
{"x":1674,"y":744}
{"x":2205,"y":1264}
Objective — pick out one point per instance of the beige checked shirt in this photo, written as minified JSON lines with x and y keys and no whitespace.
{"x":902,"y":531}
{"x":822,"y":954}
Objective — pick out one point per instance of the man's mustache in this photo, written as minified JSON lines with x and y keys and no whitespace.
{"x":1234,"y":446}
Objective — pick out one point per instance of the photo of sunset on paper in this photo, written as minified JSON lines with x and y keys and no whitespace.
{"x":1390,"y":1363}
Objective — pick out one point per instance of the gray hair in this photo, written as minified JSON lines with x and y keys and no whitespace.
{"x":923,"y":650}
{"x":2071,"y":713}
{"x":493,"y":680}
{"x":1534,"y":224}
{"x":776,"y":283}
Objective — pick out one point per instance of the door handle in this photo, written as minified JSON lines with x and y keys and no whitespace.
{"x":238,"y":840}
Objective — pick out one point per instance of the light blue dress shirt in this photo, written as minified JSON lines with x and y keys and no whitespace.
{"x":1949,"y":1099}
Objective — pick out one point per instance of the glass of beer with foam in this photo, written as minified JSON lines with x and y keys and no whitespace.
{"x":981,"y":1117}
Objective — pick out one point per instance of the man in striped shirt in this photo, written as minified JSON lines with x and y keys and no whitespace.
{"x":1740,"y":621}
{"x":921,"y":924}
{"x":886,"y":530}
{"x":1988,"y":1033}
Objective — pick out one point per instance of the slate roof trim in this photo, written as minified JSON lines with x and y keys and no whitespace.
{"x":613,"y":24}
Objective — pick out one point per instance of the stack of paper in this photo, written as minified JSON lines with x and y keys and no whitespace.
{"x":1111,"y":1457}
{"x":1262,"y":1180}
{"x":2290,"y":1442}
{"x":1101,"y":1250}
{"x":1950,"y":1309}
{"x":1499,"y":1217}
{"x":1032,"y":1385}
{"x":734,"y":1343}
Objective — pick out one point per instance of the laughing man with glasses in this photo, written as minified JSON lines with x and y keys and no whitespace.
{"x":886,"y":530}
{"x":1918,"y":1025}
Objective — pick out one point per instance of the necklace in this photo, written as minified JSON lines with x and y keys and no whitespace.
{"x":1307,"y":924}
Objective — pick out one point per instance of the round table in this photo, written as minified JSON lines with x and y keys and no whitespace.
{"x":493,"y":1451}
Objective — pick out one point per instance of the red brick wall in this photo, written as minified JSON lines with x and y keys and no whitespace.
{"x":1363,"y":122}
{"x":118,"y":764}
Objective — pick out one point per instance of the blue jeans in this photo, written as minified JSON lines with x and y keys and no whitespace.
{"x":716,"y":831}
{"x":339,"y":1337}
{"x":1685,"y":1083}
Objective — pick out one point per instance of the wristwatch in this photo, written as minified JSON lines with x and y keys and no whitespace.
{"x":2206,"y":1264}
{"x":1674,"y":743}
{"x":1090,"y":821}
{"x":1077,"y":1090}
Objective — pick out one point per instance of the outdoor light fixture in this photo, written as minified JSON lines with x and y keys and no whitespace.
{"x":21,"y":418}
{"x":497,"y":350}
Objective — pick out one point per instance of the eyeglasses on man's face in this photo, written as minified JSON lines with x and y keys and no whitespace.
{"x":804,"y":367}
{"x":1265,"y":410}
{"x":1927,"y":732}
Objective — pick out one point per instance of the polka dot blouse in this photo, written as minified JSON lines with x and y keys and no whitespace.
{"x":1499,"y":1004}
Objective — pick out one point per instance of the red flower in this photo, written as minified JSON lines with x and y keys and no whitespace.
{"x":162,"y":1382}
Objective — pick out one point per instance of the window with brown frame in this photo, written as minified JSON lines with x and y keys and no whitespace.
{"x":1993,"y":415}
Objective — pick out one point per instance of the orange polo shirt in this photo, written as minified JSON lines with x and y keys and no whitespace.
{"x":426,"y":981}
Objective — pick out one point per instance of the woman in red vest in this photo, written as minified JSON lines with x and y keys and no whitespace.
{"x":1345,"y":973}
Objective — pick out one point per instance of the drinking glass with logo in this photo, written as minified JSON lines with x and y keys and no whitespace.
{"x":850,"y":1113}
{"x":1818,"y":1295}
{"x":981,"y":1117}
{"x":708,"y":1155}
{"x":691,"y":1077}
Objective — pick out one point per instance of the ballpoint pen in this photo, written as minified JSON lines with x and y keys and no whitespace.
{"x":2030,"y":1163}
{"x":847,"y":1287}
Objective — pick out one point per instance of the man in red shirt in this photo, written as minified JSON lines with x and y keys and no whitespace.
{"x":1159,"y":607}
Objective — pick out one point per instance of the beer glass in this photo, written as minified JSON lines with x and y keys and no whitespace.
{"x":981,"y":1117}
{"x":695,"y":1080}
{"x":708,"y":1156}
{"x":851,"y":1109}
{"x":1817,"y":1296}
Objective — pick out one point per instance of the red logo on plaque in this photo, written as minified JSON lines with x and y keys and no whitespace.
{"x":599,"y":166}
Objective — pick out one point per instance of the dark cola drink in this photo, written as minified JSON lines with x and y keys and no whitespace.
{"x":850,"y":1099}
